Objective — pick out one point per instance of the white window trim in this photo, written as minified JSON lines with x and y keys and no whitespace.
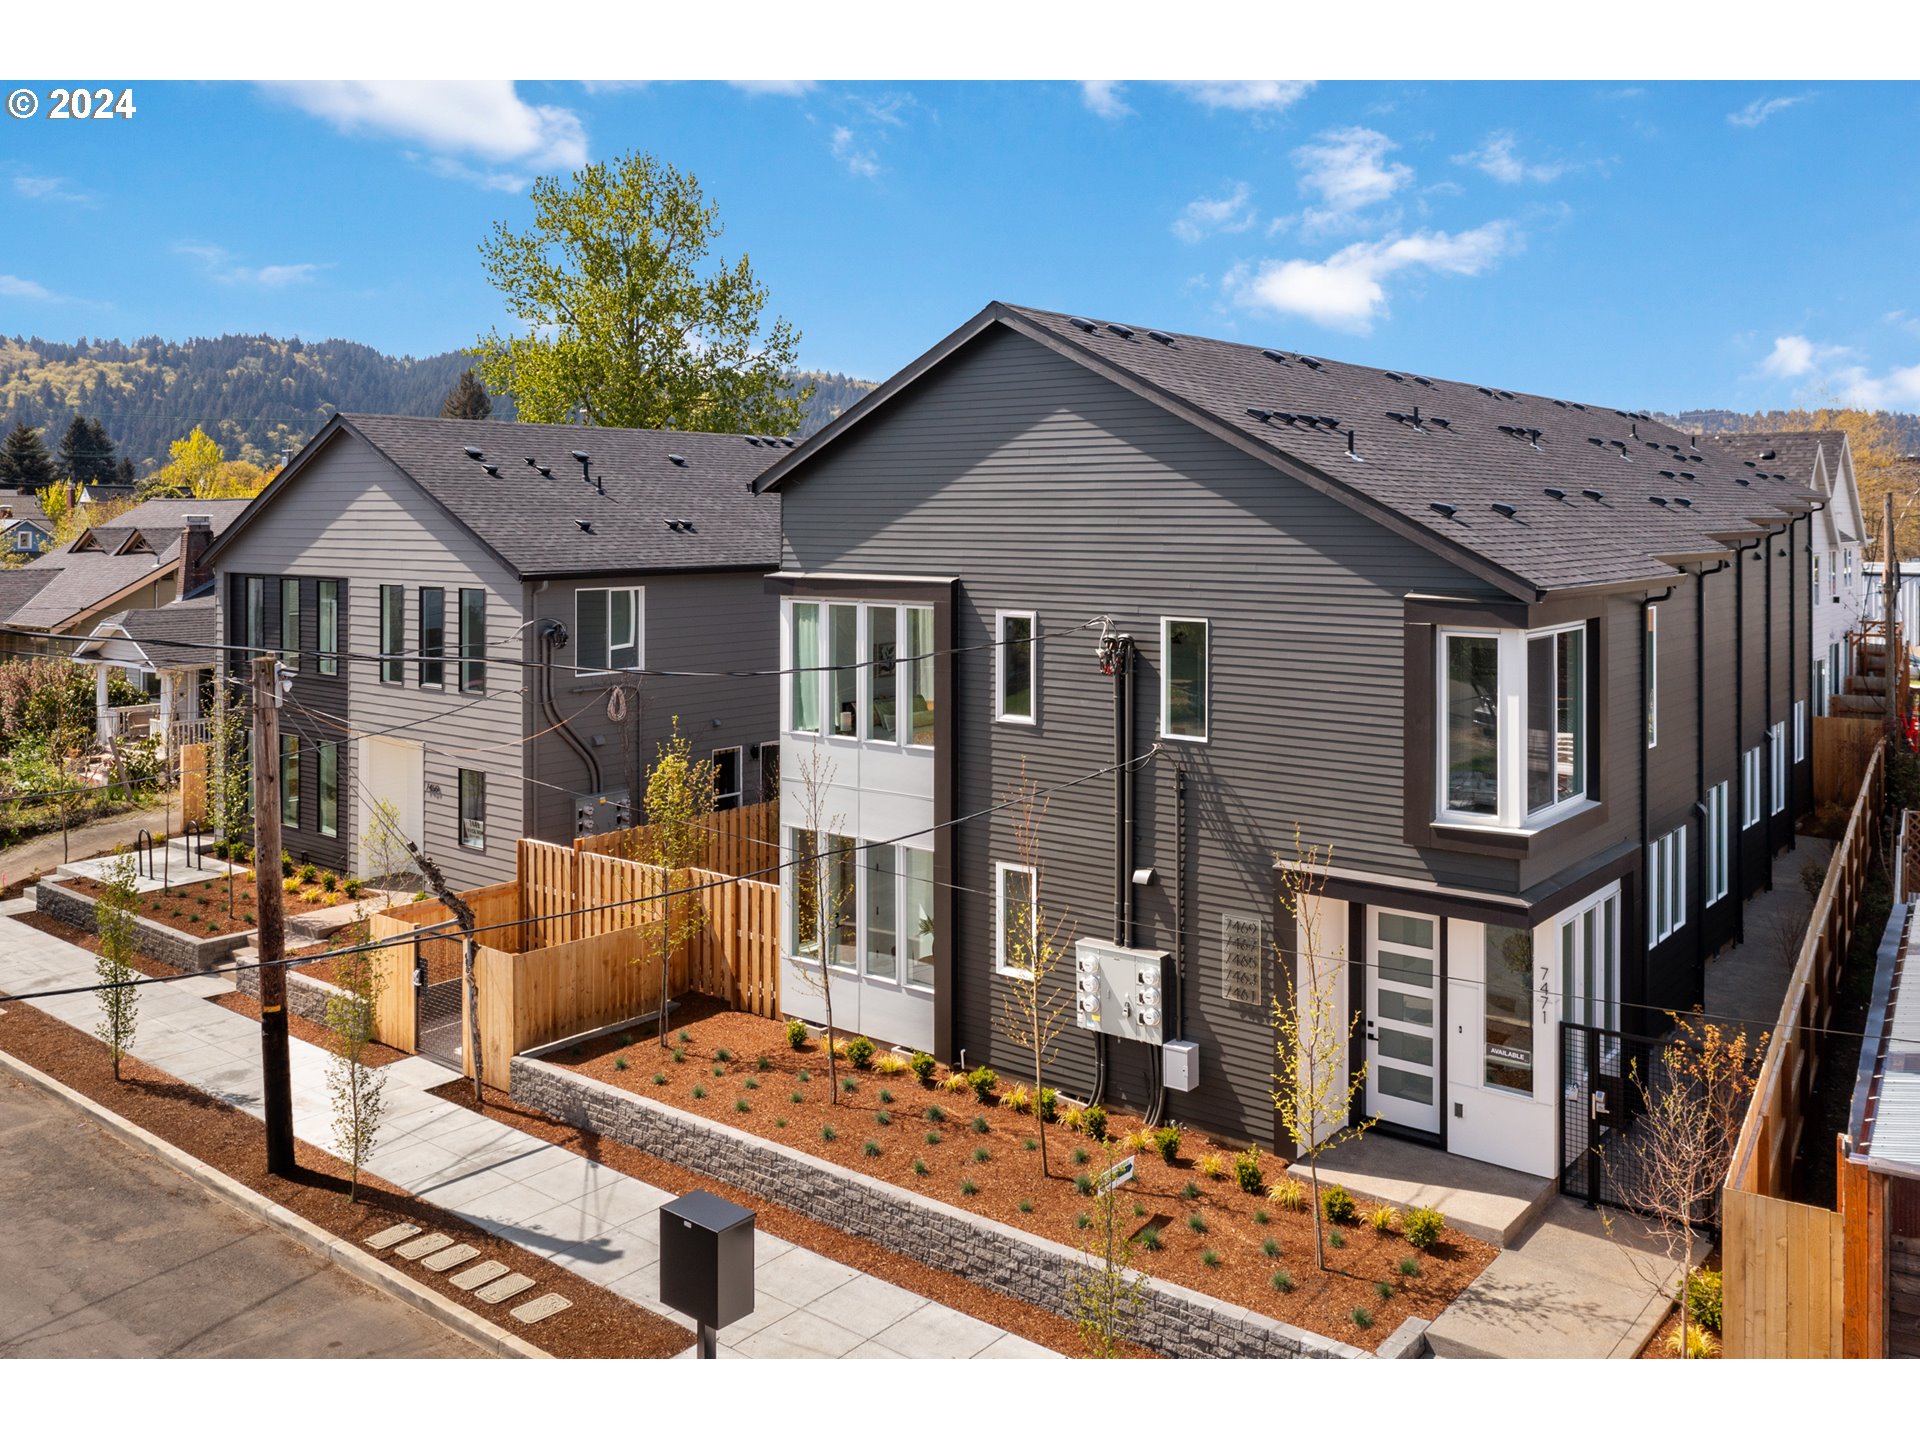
{"x":1799,"y":731}
{"x":1718,"y":849}
{"x":791,"y":663}
{"x":1000,"y":648}
{"x":739,"y":773}
{"x":1667,"y":886}
{"x":907,"y":936}
{"x":1653,"y":679}
{"x":1777,"y":766}
{"x":1750,"y":773}
{"x":1510,"y":728}
{"x":1166,"y":677}
{"x":1001,"y":870}
{"x":639,"y":593}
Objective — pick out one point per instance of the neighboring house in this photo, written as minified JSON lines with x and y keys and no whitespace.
{"x":1906,"y":602}
{"x":24,"y":528}
{"x":1464,"y":639}
{"x":172,"y":653}
{"x":1823,"y":460}
{"x":132,"y":562}
{"x":468,"y":596}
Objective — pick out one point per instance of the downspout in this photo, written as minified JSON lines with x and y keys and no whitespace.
{"x":1647,"y":602}
{"x":1116,"y":658}
{"x":1700,"y":756}
{"x":553,"y":635}
{"x":1739,"y":876}
{"x":1766,"y":717}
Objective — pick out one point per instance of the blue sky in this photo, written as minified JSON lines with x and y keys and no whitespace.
{"x":1663,"y":245}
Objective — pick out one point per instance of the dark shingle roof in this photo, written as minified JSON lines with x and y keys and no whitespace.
{"x":532,"y":521}
{"x":1793,"y":451}
{"x":177,"y":636}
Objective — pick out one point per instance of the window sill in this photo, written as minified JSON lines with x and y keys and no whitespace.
{"x":1557,"y":816}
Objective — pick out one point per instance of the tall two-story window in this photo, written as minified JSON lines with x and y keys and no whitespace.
{"x":843,"y":668}
{"x":1666,"y":885}
{"x":607,"y":628}
{"x":1513,"y":724}
{"x":920,"y":678}
{"x":290,"y":624}
{"x":1653,"y":677}
{"x":1014,"y":668}
{"x":433,"y":636}
{"x":473,"y":640}
{"x":883,"y":673}
{"x":727,"y":770}
{"x":1821,"y":692}
{"x":882,"y":913}
{"x":473,"y":809}
{"x":256,"y":602}
{"x":1833,"y":571}
{"x":1184,"y":679}
{"x":290,"y":781}
{"x":1846,"y":567}
{"x":1717,"y":846}
{"x":917,"y":908}
{"x":327,"y":767}
{"x":858,"y":665}
{"x":327,"y":602}
{"x":393,"y":634}
{"x":1777,"y":754}
{"x":1750,"y":772}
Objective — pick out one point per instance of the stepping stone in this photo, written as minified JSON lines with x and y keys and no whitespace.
{"x":450,"y":1257}
{"x":392,"y":1235}
{"x":505,"y":1289}
{"x":425,"y":1245}
{"x":480,"y":1274}
{"x":540,"y":1309}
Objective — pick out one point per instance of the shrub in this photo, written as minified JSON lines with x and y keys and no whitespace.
{"x":922,"y":1066}
{"x":1362,"y":1317}
{"x":797,"y":1098}
{"x":981,"y":1082}
{"x":307,"y":873}
{"x":919,"y":1167}
{"x":1210,"y":1258}
{"x":980,"y":1126}
{"x":286,"y":863}
{"x":796,"y":1034}
{"x":679,"y":1056}
{"x":1246,"y":1170}
{"x":1260,"y":1217}
{"x":1409,"y":1266}
{"x":967,"y":1187}
{"x":848,"y":1085}
{"x":1281,"y":1281}
{"x":1337,"y":1205}
{"x":779,"y":1122}
{"x":870,"y":1150}
{"x":741,"y":1107}
{"x":1030,"y":1144}
{"x":1423,"y":1226}
{"x":351,"y":888}
{"x":290,"y":885}
{"x":1703,"y":1298}
{"x":1019,"y":1099}
{"x":763,"y":1064}
{"x":329,"y":880}
{"x":1383,"y":1289}
{"x":1049,"y":1103}
{"x":1189,"y":1191}
{"x":750,"y":1083}
{"x":1093,"y":1122}
{"x":699,"y":1092}
{"x":1197,"y":1223}
{"x":1025,"y":1207}
{"x":804,"y":1077}
{"x":1079,"y":1155}
{"x":932,"y":1137}
{"x":1083,"y":1183}
{"x":685,"y":1037}
{"x":718,"y":1071}
{"x":1212,"y":1165}
{"x":1137,"y":1142}
{"x":829,"y":1134}
{"x":1083,"y":1220}
{"x":1337,"y":1239}
{"x":860,"y":1052}
{"x":724,"y":1056}
{"x":888,"y":1063}
{"x":882,"y":1118}
{"x":955,"y":1083}
{"x":1382,"y":1218}
{"x":1700,"y":1345}
{"x":1270,"y":1248}
{"x":1288,"y":1194}
{"x":982,"y":1156}
{"x":619,"y":1062}
{"x":934,"y":1113}
{"x":886,"y":1097}
{"x":1167,"y":1141}
{"x":1150,"y":1239}
{"x":659,"y":1077}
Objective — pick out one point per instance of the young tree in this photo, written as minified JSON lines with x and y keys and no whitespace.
{"x":113,"y":914}
{"x":467,"y":400}
{"x":24,"y":461}
{"x":230,"y":781}
{"x":386,"y":860}
{"x":1035,"y":1006}
{"x":680,"y":800}
{"x":357,"y":1088}
{"x":198,"y":469}
{"x":1315,"y":1089}
{"x":619,"y":326}
{"x":1106,"y":1296}
{"x":823,"y":881}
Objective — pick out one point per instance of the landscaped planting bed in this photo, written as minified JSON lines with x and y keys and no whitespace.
{"x":1191,"y":1219}
{"x":203,"y":907}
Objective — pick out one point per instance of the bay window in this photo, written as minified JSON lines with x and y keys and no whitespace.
{"x":856,"y":666}
{"x":1513,"y":725}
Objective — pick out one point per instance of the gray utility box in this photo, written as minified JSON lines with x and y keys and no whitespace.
{"x":706,"y":1258}
{"x":1118,"y":991}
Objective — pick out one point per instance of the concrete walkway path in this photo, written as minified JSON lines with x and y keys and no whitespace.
{"x":42,"y":853}
{"x":592,"y":1219}
{"x":1747,"y":982}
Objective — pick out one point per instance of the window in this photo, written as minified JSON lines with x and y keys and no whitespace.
{"x":473,"y":809}
{"x":1666,"y":885}
{"x":473,"y":640}
{"x":917,"y":885}
{"x":1836,"y":671}
{"x":1777,"y":753}
{"x":802,"y":895}
{"x":843,"y":668}
{"x":883,"y":914}
{"x":433,"y":635}
{"x":1846,"y":566}
{"x":1799,"y":731}
{"x":290,"y":624}
{"x":1750,"y":788}
{"x":1833,"y":571}
{"x":1820,"y":691}
{"x":328,"y":594}
{"x":393,"y":623}
{"x":1019,"y":922}
{"x":883,"y":679}
{"x":920,"y":653}
{"x":1653,"y":677}
{"x":726,"y":778}
{"x":328,"y":758}
{"x":843,"y":916}
{"x":1509,"y":1019}
{"x":803,"y":703}
{"x":1013,"y":662}
{"x":1500,"y":770}
{"x":256,"y":617}
{"x":1715,"y":858}
{"x":1183,"y":679}
{"x":607,"y":626}
{"x":1816,"y":577}
{"x":290,"y":781}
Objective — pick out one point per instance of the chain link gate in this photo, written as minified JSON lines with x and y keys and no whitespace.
{"x":436,"y":995}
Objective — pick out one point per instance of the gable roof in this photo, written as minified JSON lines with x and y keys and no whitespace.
{"x":1818,"y":458}
{"x":68,"y":582}
{"x":533,"y":521}
{"x":1436,"y":480}
{"x":181,"y":636}
{"x":152,"y":527}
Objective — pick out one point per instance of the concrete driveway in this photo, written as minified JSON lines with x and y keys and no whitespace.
{"x":105,"y":1252}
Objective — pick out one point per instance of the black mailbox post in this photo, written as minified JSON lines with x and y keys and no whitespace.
{"x":706,"y":1262}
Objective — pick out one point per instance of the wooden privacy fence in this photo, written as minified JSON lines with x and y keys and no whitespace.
{"x":1842,"y":745}
{"x":395,"y":1013}
{"x":1782,"y":1262}
{"x":742,"y":841}
{"x":193,"y":783}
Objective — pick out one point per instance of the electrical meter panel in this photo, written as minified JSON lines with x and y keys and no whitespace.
{"x":1121,"y":992}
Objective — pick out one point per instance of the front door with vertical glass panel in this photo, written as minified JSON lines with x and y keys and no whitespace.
{"x":1403,"y":1000}
{"x":1589,"y":943}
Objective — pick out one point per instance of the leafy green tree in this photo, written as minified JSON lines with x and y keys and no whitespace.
{"x":357,"y":1089}
{"x":468,"y":400}
{"x":680,"y":800}
{"x":198,"y":469}
{"x":619,"y":324}
{"x":24,"y":461}
{"x":113,"y":914}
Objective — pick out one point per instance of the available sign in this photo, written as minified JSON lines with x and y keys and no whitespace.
{"x":1511,"y":1056}
{"x":1112,"y":1179}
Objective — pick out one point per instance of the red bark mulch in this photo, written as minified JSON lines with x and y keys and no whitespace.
{"x":202,"y":908}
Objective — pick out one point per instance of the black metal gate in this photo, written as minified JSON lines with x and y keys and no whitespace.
{"x":1605,"y":1079}
{"x":438,"y":1023}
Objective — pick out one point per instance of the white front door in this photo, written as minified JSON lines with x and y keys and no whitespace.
{"x":1403,"y":996}
{"x":394,"y":771}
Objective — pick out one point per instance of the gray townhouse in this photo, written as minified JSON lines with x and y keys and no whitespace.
{"x":473,"y":612}
{"x":1535,"y":672}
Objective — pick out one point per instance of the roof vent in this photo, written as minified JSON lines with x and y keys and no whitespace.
{"x":1636,"y":431}
{"x":1422,"y":380}
{"x":474,"y":452}
{"x":1651,"y":444}
{"x":1659,"y":500}
{"x":1275,"y":356}
{"x":1327,"y":420}
{"x":677,"y":459}
{"x":1686,"y":474}
{"x":1554,"y":492}
{"x":1506,"y":394}
{"x":546,"y":472}
{"x":1352,"y":453}
{"x":1161,"y":336}
{"x":585,"y":525}
{"x":1595,"y":440}
{"x":1259,"y":414}
{"x":1396,"y":378}
{"x":1742,"y":480}
{"x":1125,"y":332}
{"x":1309,"y":362}
{"x":493,"y":470}
{"x":1484,"y":391}
{"x":1440,"y":507}
{"x":1561,"y":403}
{"x":1578,"y":406}
{"x":1078,"y":323}
{"x":1503,"y":508}
{"x":1749,"y":464}
{"x":753,"y":440}
{"x":532,"y":463}
{"x":1593,"y":494}
{"x":581,"y":456}
{"x":1283,"y":416}
{"x":1436,"y":420}
{"x":1768,"y":454}
{"x":1666,"y":475}
{"x":1683,"y":502}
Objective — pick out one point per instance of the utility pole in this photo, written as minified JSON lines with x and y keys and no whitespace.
{"x":1890,"y":611}
{"x":276,"y":1069}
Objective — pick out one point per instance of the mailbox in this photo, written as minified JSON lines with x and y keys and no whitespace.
{"x":706,"y":1262}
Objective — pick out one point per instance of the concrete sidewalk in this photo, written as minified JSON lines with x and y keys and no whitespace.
{"x":594,"y":1220}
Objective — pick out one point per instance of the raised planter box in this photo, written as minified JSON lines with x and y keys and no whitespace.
{"x":162,"y":942}
{"x":1175,"y":1321}
{"x":306,"y":997}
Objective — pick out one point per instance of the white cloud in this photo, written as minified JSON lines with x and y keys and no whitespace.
{"x":220,"y":265}
{"x":1244,"y":94}
{"x":858,"y":159}
{"x":49,"y":187}
{"x":1348,"y":170}
{"x":1898,"y":389}
{"x":14,"y":288}
{"x":1834,"y":372}
{"x":1102,"y":97}
{"x":1230,"y":214}
{"x":1498,"y":157}
{"x":1346,"y":291}
{"x":1794,"y":356}
{"x":774,"y":87}
{"x":1760,"y":111}
{"x":484,"y":119}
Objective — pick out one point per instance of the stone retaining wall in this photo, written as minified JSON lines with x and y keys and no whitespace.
{"x":1176,"y":1321}
{"x":306,"y":997}
{"x":161,"y":942}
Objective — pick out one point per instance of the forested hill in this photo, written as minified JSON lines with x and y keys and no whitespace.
{"x":258,"y":396}
{"x":1906,"y":427}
